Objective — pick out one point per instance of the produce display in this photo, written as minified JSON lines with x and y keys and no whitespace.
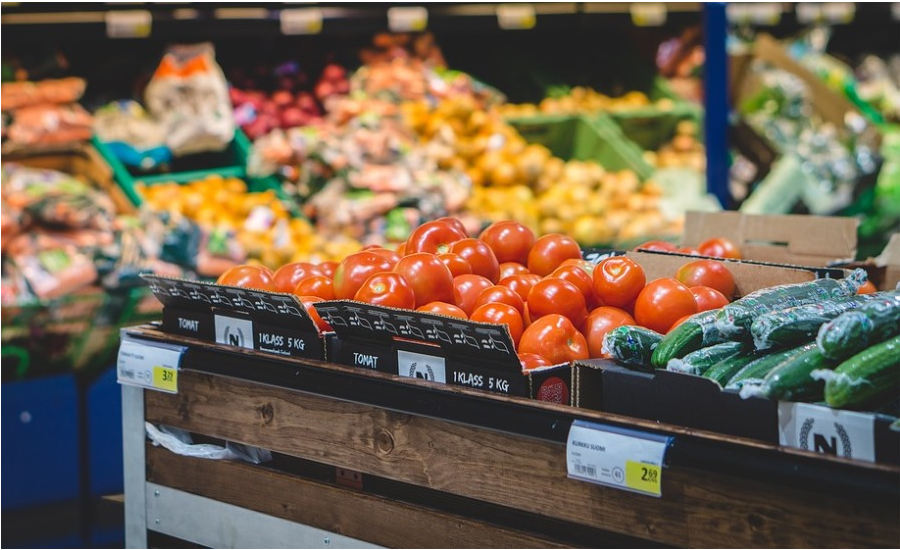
{"x":564,"y":100}
{"x":44,"y":112}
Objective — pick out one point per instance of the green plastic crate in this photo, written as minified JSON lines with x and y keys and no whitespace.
{"x":650,"y":127}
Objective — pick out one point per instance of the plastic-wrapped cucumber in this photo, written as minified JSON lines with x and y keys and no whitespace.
{"x":696,"y":332}
{"x":791,"y":326}
{"x":700,"y":361}
{"x":852,"y":332}
{"x":734,"y":319}
{"x":866,"y":377}
{"x":754,"y":372}
{"x":631,"y":344}
{"x":792,"y":380}
{"x":723,"y":371}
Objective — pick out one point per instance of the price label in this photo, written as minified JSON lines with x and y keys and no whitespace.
{"x":516,"y":16}
{"x":828,"y":431}
{"x":301,"y":21}
{"x":839,"y":12}
{"x":648,"y":14}
{"x":809,"y":12}
{"x":407,"y":19}
{"x":128,"y":24}
{"x":765,"y":13}
{"x":625,"y":459}
{"x":149,"y":365}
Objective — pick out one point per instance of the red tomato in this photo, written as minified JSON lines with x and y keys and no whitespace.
{"x":867,"y":287}
{"x":711,"y":273}
{"x":328,"y":268}
{"x":708,"y":298}
{"x":659,"y":246}
{"x":443,"y":308}
{"x":501,"y":314}
{"x":662,"y":302}
{"x":678,"y":322}
{"x":531,"y":361}
{"x":249,"y":276}
{"x":353,"y":271}
{"x":581,"y":278}
{"x":583,"y":264}
{"x":455,"y":263}
{"x":719,"y":248}
{"x":288,"y":275}
{"x":520,"y":284}
{"x":550,"y":251}
{"x":599,"y":322}
{"x":435,"y":237}
{"x":689,"y":250}
{"x":511,"y":241}
{"x":480,"y":257}
{"x":308,"y":302}
{"x":387,"y":289}
{"x":552,"y":295}
{"x":501,"y":294}
{"x":554,"y":338}
{"x":618,"y":281}
{"x":401,"y":249}
{"x":316,"y":285}
{"x":508,"y":269}
{"x":430,"y":279}
{"x":455,"y":223}
{"x":466,"y":289}
{"x":387,"y":253}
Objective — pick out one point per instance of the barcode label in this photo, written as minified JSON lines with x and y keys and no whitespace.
{"x":582,"y":470}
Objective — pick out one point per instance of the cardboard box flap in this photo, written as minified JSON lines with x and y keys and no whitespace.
{"x":797,"y":239}
{"x":276,"y":309}
{"x":484,"y":342}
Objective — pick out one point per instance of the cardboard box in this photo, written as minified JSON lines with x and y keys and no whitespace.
{"x":436,"y":348}
{"x":264,"y":321}
{"x":883,"y":270}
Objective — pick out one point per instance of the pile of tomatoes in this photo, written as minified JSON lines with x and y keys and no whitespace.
{"x":557,"y":306}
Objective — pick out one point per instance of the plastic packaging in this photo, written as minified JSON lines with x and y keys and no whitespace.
{"x":180,"y":442}
{"x":631,"y":345}
{"x":698,"y":362}
{"x":855,"y":330}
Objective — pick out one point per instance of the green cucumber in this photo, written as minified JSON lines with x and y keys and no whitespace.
{"x":631,"y":344}
{"x":725,"y":370}
{"x":792,"y":380}
{"x":700,"y":361}
{"x":754,"y":372}
{"x":864,"y":378}
{"x":852,"y":332}
{"x":694,"y":333}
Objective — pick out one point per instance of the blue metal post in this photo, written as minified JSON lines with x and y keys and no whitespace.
{"x":715,"y":84}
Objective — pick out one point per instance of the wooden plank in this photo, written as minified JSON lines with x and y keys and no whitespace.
{"x":514,"y":471}
{"x":346,"y":512}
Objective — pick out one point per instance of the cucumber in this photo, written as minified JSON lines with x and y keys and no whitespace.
{"x":700,"y":361}
{"x":754,"y":372}
{"x":631,"y":344}
{"x":789,"y":327}
{"x":734,"y":319}
{"x":852,"y":332}
{"x":725,"y":370}
{"x":694,"y":333}
{"x":864,"y":378}
{"x":792,"y":380}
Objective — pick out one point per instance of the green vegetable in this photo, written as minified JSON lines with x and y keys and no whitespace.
{"x":631,"y":344}
{"x":864,"y":378}
{"x":754,"y":372}
{"x":694,"y":333}
{"x":791,"y":379}
{"x":725,"y":370}
{"x":700,"y":361}
{"x":856,"y":330}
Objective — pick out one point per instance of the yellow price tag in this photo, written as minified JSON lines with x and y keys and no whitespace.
{"x":643,"y":477}
{"x":165,"y":379}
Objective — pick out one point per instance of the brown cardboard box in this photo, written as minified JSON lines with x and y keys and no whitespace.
{"x":884,"y":270}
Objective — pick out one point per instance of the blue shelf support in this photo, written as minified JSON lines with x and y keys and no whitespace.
{"x":715,"y":85}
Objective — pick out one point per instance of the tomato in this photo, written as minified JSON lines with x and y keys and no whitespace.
{"x":430,"y":279}
{"x":387,"y":289}
{"x":550,"y":251}
{"x":501,"y":314}
{"x":501,"y":294}
{"x":618,"y":281}
{"x":328,"y":268}
{"x":581,"y":278}
{"x":708,"y":298}
{"x":480,"y":257}
{"x":583,"y":264}
{"x":455,"y":223}
{"x":387,"y":253}
{"x":508,"y":269}
{"x":711,"y":273}
{"x":600,"y":321}
{"x":443,"y":308}
{"x":678,"y":322}
{"x":316,"y":285}
{"x":520,"y":284}
{"x":466,"y":289}
{"x":531,"y":361}
{"x":689,"y":250}
{"x":288,"y":275}
{"x":719,"y":248}
{"x":401,"y":249}
{"x":435,"y":237}
{"x":249,"y":276}
{"x":662,"y":302}
{"x":552,"y":295}
{"x":867,"y":287}
{"x":308,"y":302}
{"x":353,"y":271}
{"x":554,"y":338}
{"x":658,"y":246}
{"x":510,"y":240}
{"x":455,"y":263}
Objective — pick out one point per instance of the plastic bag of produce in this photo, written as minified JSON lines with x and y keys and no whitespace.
{"x":131,"y":134}
{"x":188,"y":94}
{"x":49,"y":124}
{"x":16,"y":95}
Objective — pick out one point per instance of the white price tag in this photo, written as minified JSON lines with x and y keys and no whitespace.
{"x":765,"y":13}
{"x":150,"y":365}
{"x":234,"y":332}
{"x":407,"y":19}
{"x":625,"y":459}
{"x":828,"y":431}
{"x":808,"y":12}
{"x":128,"y":24}
{"x":648,"y":14}
{"x":301,"y":21}
{"x":421,"y":366}
{"x":516,"y":16}
{"x":839,"y":12}
{"x":737,"y":13}
{"x":895,"y":10}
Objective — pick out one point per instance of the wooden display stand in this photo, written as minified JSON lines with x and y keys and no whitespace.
{"x":364,"y":459}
